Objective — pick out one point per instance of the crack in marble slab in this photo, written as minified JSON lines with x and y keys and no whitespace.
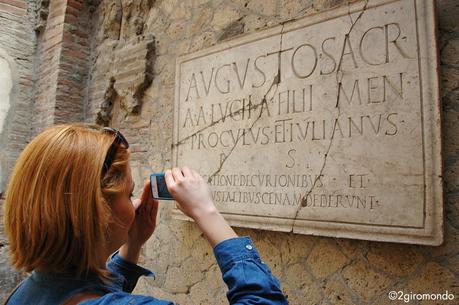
{"x":274,"y":84}
{"x":339,"y":77}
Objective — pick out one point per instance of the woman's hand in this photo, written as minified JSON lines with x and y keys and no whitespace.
{"x":195,"y":200}
{"x":146,"y":210}
{"x":191,"y":192}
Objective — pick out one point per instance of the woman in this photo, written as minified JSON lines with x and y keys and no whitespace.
{"x":70,"y":222}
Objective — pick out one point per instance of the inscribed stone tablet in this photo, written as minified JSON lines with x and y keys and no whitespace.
{"x":328,"y":125}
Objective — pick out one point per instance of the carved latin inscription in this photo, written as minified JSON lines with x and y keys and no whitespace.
{"x":326,"y":125}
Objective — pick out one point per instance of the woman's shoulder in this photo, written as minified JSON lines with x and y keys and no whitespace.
{"x":115,"y":298}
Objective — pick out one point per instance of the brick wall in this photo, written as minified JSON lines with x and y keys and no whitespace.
{"x":17,"y":42}
{"x":63,"y":50}
{"x":17,"y":46}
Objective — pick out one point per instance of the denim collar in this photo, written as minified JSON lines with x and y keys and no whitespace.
{"x":46,"y":277}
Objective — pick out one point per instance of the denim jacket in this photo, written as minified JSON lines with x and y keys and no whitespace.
{"x":248,"y":279}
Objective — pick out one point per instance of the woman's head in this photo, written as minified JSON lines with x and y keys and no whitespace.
{"x":60,"y":203}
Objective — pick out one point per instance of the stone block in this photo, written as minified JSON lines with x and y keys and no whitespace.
{"x":177,"y":30}
{"x":449,"y":53}
{"x":433,"y":279}
{"x":224,"y":16}
{"x":294,"y":8}
{"x":271,"y":254}
{"x":364,"y":281}
{"x":180,"y":279}
{"x":299,"y":286}
{"x":337,"y":293}
{"x":398,"y":260}
{"x":447,"y":15}
{"x":325,"y":259}
{"x":254,"y":22}
{"x":201,"y":19}
{"x":263,"y":7}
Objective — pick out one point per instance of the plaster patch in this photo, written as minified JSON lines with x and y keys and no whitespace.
{"x":6,"y":84}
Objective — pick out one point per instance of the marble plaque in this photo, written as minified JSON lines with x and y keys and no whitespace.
{"x":328,"y":125}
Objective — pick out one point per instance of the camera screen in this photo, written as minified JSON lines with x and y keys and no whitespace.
{"x":162,"y":187}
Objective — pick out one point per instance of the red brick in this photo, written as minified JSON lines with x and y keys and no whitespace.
{"x":70,"y":19}
{"x":72,"y":11}
{"x":67,"y":38}
{"x":75,"y":4}
{"x":51,"y":43}
{"x":74,"y":53}
{"x":81,"y":34}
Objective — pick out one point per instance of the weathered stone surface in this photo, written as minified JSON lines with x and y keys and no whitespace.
{"x":453,"y":264}
{"x":364,"y":281}
{"x":293,"y":8}
{"x":181,"y":279}
{"x":6,"y":84}
{"x":450,"y":51}
{"x":452,"y":208}
{"x":353,"y":249}
{"x":295,"y":248}
{"x":271,"y":254}
{"x":263,"y":7}
{"x":448,"y":12}
{"x":203,"y":40}
{"x":112,"y":20}
{"x":433,"y":279}
{"x":324,"y":4}
{"x":201,"y":19}
{"x":325,"y":259}
{"x":300,"y":286}
{"x":345,"y":123}
{"x":9,"y":277}
{"x":399,"y":260}
{"x":337,"y":292}
{"x":449,"y":247}
{"x":223,"y":16}
{"x":145,"y":285}
{"x":177,"y":30}
{"x":254,"y":22}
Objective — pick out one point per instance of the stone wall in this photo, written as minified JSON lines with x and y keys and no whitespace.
{"x":17,"y":49}
{"x":137,"y":42}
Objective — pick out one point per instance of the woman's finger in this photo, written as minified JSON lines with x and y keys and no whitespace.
{"x":136,"y":203}
{"x":146,"y":192}
{"x":154,"y":210}
{"x":178,"y":175}
{"x":169,"y":179}
{"x":186,"y":172}
{"x":195,"y":174}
